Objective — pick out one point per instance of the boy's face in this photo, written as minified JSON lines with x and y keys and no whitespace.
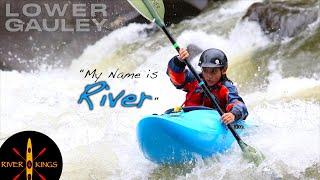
{"x":213,"y":75}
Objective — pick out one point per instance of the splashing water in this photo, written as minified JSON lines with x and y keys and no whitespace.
{"x":284,"y":111}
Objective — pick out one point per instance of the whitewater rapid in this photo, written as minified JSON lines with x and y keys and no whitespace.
{"x":101,"y":144}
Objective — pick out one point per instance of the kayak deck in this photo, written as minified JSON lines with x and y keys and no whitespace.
{"x":178,"y":137}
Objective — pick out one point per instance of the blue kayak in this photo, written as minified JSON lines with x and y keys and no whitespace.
{"x":177,"y":137}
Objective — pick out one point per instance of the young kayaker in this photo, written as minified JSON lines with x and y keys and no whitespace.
{"x":214,"y":65}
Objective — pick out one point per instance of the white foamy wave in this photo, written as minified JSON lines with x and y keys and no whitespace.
{"x":244,"y":38}
{"x":110,"y":43}
{"x":282,"y":88}
{"x":234,"y":7}
{"x":279,"y":87}
{"x":288,"y":139}
{"x":47,"y":102}
{"x":105,"y":138}
{"x":289,"y":132}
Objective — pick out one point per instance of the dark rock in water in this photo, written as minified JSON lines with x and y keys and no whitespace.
{"x":27,"y":50}
{"x":285,"y":19}
{"x":177,"y":11}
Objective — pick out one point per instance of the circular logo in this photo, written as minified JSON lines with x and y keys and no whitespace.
{"x":217,"y":61}
{"x":30,"y":155}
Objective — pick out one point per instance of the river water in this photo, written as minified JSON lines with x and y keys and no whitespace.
{"x":278,"y":79}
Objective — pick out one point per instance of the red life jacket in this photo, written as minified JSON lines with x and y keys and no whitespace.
{"x":224,"y":91}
